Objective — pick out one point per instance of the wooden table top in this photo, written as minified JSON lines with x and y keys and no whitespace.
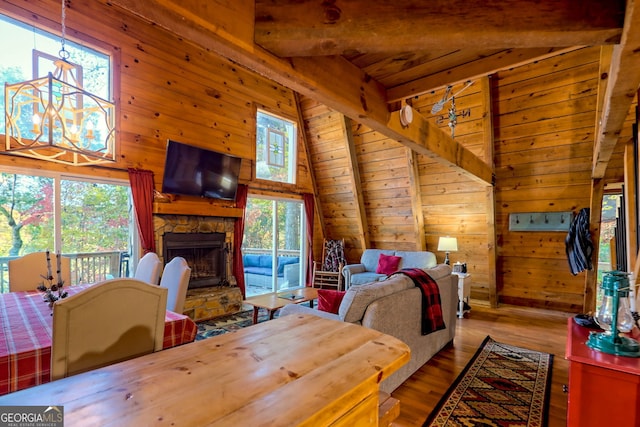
{"x":277,"y":300}
{"x":295,"y":370}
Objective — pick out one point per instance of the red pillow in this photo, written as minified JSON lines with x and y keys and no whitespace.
{"x":329,"y":300}
{"x":388,"y":264}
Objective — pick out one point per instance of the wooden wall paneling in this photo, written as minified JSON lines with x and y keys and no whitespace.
{"x":470,"y":69}
{"x":332,"y":170}
{"x":385,"y":172}
{"x":452,"y":204}
{"x":318,"y":223}
{"x":554,"y":67}
{"x":543,"y":156}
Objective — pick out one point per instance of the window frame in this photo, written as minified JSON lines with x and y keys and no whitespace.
{"x":294,"y":157}
{"x":57,"y":177}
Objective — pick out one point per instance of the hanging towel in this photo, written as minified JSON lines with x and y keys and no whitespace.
{"x":578,"y":243}
{"x":432,"y":319}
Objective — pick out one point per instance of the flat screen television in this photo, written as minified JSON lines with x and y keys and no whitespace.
{"x":195,"y":171}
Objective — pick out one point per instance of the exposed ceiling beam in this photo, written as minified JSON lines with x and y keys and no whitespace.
{"x":421,"y":134}
{"x":354,"y":93}
{"x":416,"y":200}
{"x":623,"y":82}
{"x":362,"y":224}
{"x":313,"y":28}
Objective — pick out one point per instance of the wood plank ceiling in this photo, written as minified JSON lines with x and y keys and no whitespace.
{"x":387,"y":52}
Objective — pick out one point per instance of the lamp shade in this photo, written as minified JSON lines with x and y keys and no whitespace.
{"x":448,"y":244}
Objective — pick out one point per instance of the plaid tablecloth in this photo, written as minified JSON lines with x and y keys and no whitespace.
{"x":25,"y":338}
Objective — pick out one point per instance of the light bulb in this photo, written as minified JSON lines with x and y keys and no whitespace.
{"x":90,"y":130}
{"x":36,"y":119}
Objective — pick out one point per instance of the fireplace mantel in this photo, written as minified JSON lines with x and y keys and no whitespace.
{"x":195,"y":208}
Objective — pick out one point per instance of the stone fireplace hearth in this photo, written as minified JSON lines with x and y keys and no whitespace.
{"x":214,"y":292}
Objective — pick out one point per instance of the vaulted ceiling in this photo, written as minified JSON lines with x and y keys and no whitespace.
{"x":366,"y":59}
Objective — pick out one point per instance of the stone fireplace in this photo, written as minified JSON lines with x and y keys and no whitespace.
{"x":206,"y":244}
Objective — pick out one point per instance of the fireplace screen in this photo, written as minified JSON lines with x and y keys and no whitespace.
{"x":206,"y":254}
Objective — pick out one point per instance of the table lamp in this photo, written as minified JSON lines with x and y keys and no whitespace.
{"x":614,"y":316}
{"x":447,"y":244}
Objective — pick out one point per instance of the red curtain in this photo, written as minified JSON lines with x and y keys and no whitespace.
{"x":142,"y":191}
{"x":309,"y":211}
{"x":238,"y":233}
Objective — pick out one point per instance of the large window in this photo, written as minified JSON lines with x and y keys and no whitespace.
{"x":273,"y":245}
{"x":89,"y":221}
{"x":276,"y":148}
{"x":17,"y":61}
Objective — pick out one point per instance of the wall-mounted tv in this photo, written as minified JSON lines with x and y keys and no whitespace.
{"x":194,"y":171}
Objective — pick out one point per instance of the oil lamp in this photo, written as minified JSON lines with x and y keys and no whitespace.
{"x":614,"y":316}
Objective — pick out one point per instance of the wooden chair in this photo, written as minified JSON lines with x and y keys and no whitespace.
{"x":109,"y":322}
{"x":175,"y":278}
{"x":328,"y":273}
{"x":27,"y":272}
{"x":149,"y":268}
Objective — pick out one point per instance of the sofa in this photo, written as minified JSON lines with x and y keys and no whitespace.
{"x":365,"y":271}
{"x":394,"y":306}
{"x":258,"y":270}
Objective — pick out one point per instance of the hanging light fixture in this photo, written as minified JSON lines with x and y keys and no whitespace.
{"x":53,"y":118}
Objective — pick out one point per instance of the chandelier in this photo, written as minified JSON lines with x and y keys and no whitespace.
{"x":53,"y":118}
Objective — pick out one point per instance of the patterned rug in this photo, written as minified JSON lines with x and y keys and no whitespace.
{"x":229,"y":323}
{"x":502,"y":386}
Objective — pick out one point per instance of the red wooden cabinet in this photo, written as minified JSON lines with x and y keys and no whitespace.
{"x":604,"y":390}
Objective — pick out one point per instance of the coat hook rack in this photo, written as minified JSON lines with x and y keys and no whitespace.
{"x":540,"y":221}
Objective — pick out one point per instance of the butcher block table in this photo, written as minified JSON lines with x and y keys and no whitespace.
{"x":25,"y":337}
{"x":298,"y":370}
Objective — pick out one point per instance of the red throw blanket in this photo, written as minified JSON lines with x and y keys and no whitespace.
{"x":431,"y":305}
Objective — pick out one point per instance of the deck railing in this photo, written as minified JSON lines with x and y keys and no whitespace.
{"x":87,"y":267}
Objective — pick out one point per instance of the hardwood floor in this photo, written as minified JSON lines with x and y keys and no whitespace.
{"x":535,"y":329}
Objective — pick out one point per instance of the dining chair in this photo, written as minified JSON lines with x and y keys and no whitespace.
{"x":28,"y":271}
{"x":175,"y":278}
{"x":106,"y":323}
{"x":149,"y":268}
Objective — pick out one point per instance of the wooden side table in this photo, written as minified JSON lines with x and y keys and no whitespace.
{"x":464,"y":292}
{"x":276,"y":300}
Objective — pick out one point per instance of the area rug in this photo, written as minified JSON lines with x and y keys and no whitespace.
{"x":229,"y":323}
{"x":502,"y":386}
